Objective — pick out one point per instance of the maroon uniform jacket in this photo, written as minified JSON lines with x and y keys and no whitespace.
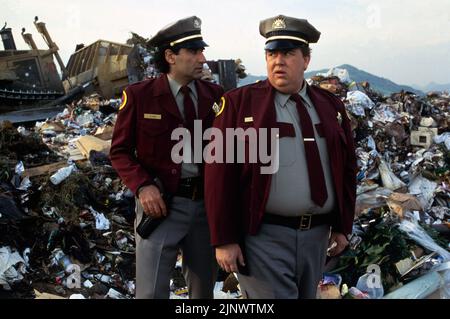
{"x":141,"y":144}
{"x":236,"y":194}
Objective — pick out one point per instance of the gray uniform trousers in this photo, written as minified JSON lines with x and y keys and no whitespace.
{"x":185,"y":227}
{"x":284,"y":263}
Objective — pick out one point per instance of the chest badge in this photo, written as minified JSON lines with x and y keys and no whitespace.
{"x":152,"y":116}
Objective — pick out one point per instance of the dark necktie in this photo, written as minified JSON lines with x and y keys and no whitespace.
{"x":317,"y":184}
{"x":189,"y":109}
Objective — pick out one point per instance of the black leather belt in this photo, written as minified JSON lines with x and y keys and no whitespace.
{"x":191,"y":188}
{"x":303,"y":222}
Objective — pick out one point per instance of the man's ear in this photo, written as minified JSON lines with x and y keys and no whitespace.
{"x":307,"y":60}
{"x":170,"y":56}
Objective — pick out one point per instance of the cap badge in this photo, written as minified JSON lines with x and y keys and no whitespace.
{"x":197,"y":23}
{"x":279,"y":24}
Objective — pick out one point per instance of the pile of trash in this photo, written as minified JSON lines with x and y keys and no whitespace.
{"x":66,"y":219}
{"x":403,"y":151}
{"x":66,"y":222}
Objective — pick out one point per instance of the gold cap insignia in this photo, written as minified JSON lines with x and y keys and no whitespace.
{"x":279,"y":24}
{"x":197,"y":23}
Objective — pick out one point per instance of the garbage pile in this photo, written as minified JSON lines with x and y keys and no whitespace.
{"x":403,"y":151}
{"x":69,"y":219}
{"x":66,"y":219}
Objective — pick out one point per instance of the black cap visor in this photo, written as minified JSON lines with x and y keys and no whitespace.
{"x":283,"y":45}
{"x":192,"y":44}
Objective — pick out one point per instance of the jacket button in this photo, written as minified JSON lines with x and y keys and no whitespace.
{"x":174,"y":171}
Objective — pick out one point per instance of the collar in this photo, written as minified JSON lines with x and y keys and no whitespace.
{"x":282,"y":99}
{"x":303,"y":92}
{"x":175,"y":87}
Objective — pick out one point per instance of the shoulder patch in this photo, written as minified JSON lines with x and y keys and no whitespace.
{"x":218,"y":108}
{"x":124,"y":100}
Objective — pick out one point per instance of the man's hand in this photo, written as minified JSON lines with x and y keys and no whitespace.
{"x":152,"y":202}
{"x":337,"y":243}
{"x":227,"y":257}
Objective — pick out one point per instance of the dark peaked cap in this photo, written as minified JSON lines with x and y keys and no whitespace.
{"x":185,"y":33}
{"x":286,"y":32}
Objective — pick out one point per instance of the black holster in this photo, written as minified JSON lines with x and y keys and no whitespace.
{"x":148,"y":224}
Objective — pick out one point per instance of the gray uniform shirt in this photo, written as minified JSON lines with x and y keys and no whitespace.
{"x":188,"y":169}
{"x":290,"y":194}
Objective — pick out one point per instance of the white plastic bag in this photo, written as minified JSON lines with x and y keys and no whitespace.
{"x":418,"y":234}
{"x":390,"y":180}
{"x":10,"y":271}
{"x":443,"y":138}
{"x":358,"y":98}
{"x":342,"y":74}
{"x":424,"y":190}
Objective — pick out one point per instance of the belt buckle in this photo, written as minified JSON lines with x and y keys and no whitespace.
{"x":305,"y":222}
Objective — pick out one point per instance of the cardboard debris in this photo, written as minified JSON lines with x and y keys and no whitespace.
{"x":87,"y":143}
{"x":45,"y":169}
{"x":432,"y":130}
{"x":105,"y":133}
{"x":330,"y":87}
{"x":53,"y":126}
{"x":407,"y":265}
{"x":400,"y":203}
{"x":45,"y":295}
{"x":422,"y":138}
{"x":75,"y":155}
{"x":404,"y":265}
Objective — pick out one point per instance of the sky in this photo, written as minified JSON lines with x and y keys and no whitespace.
{"x":406,"y":41}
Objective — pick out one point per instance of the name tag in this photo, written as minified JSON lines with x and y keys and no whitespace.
{"x":248,"y":119}
{"x":152,"y":116}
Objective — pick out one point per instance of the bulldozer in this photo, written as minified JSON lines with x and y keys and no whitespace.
{"x":103,"y":64}
{"x":28,"y":77}
{"x":32,"y":88}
